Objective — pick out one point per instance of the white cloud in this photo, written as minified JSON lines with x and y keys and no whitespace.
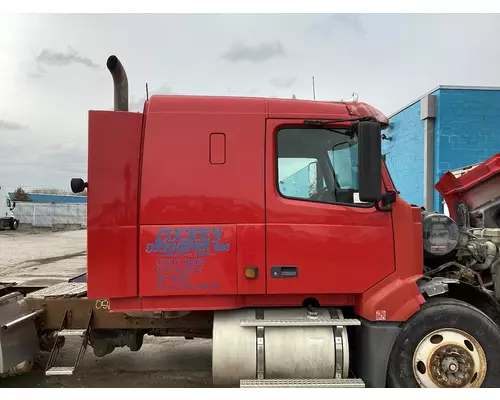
{"x":258,"y":53}
{"x":63,"y":58}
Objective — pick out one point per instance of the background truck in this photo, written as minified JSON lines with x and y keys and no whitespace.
{"x":7,"y":217}
{"x":342,"y":284}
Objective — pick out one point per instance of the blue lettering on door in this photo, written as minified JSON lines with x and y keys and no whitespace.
{"x":188,"y":242}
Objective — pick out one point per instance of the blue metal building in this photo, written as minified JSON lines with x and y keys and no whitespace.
{"x":54,"y":198}
{"x":448,"y":128}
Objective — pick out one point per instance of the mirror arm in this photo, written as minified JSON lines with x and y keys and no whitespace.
{"x":385,"y":204}
{"x":383,"y":207}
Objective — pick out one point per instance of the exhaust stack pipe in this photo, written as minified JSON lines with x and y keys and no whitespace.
{"x":120,"y":83}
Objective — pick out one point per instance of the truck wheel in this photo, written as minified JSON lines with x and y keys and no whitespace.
{"x":448,"y":344}
{"x":14,"y":224}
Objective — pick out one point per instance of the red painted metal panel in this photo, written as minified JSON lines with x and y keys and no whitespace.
{"x":306,"y":109}
{"x":208,"y":105}
{"x":215,"y":302}
{"x":251,"y":253}
{"x":398,"y":294}
{"x":181,"y":186}
{"x":111,"y":261}
{"x":335,"y":248}
{"x":113,"y":176}
{"x":330,"y":256}
{"x":187,"y":260}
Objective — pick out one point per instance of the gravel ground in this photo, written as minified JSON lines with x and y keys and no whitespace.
{"x":40,"y":257}
{"x":22,"y":246}
{"x":161,"y":362}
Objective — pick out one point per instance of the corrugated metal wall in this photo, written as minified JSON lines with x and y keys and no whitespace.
{"x":47,"y":215}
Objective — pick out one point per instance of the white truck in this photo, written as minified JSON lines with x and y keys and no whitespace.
{"x":7,"y":217}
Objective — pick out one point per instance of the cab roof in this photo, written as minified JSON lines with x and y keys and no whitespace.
{"x":271,"y":107}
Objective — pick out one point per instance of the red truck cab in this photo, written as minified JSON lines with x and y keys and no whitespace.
{"x":186,"y":210}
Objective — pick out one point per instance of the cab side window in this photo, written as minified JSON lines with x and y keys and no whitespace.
{"x":319,"y":165}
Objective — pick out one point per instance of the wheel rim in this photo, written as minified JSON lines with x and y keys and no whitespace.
{"x":449,"y":358}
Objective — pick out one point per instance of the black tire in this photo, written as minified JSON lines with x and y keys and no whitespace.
{"x":14,"y":224}
{"x":438,"y":314}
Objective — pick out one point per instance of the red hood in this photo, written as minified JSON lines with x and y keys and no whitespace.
{"x":475,"y":188}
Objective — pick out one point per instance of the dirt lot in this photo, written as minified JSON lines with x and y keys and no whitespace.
{"x":40,"y":257}
{"x":162,"y":362}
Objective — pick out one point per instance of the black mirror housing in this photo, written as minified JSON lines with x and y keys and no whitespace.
{"x":78,"y":185}
{"x":369,"y":161}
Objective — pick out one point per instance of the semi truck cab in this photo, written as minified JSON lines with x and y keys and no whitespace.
{"x":189,"y":211}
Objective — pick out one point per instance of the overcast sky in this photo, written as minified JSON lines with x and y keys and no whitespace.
{"x":52,"y":69}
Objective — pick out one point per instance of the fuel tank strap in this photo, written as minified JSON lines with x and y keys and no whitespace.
{"x":261,"y":348}
{"x":300,"y":322}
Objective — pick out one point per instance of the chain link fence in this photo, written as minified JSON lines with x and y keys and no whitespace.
{"x":51,"y":215}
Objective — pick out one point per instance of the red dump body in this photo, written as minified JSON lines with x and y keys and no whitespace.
{"x":183,"y":197}
{"x":478,"y":189}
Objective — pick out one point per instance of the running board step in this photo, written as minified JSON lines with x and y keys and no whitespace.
{"x":302,"y":383}
{"x":53,"y":371}
{"x":300,"y":322}
{"x":80,"y":335}
{"x":71,"y":332}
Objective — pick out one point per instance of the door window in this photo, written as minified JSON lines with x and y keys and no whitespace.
{"x":318,"y":165}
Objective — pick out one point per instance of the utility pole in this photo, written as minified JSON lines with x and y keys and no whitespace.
{"x":314,"y":90}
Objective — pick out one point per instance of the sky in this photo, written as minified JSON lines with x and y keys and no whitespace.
{"x":52,"y":69}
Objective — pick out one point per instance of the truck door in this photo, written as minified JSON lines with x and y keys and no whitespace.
{"x":320,"y":238}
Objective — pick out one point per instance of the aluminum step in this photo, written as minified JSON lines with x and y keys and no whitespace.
{"x":53,"y":371}
{"x":81,"y":336}
{"x":302,"y":383}
{"x":63,"y":289}
{"x":71,"y":332}
{"x":300,"y":322}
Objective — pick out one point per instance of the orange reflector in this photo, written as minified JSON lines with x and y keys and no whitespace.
{"x":251,"y":272}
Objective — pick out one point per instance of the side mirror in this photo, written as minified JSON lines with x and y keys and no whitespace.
{"x":78,"y":185}
{"x":13,"y":205}
{"x":369,"y":161}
